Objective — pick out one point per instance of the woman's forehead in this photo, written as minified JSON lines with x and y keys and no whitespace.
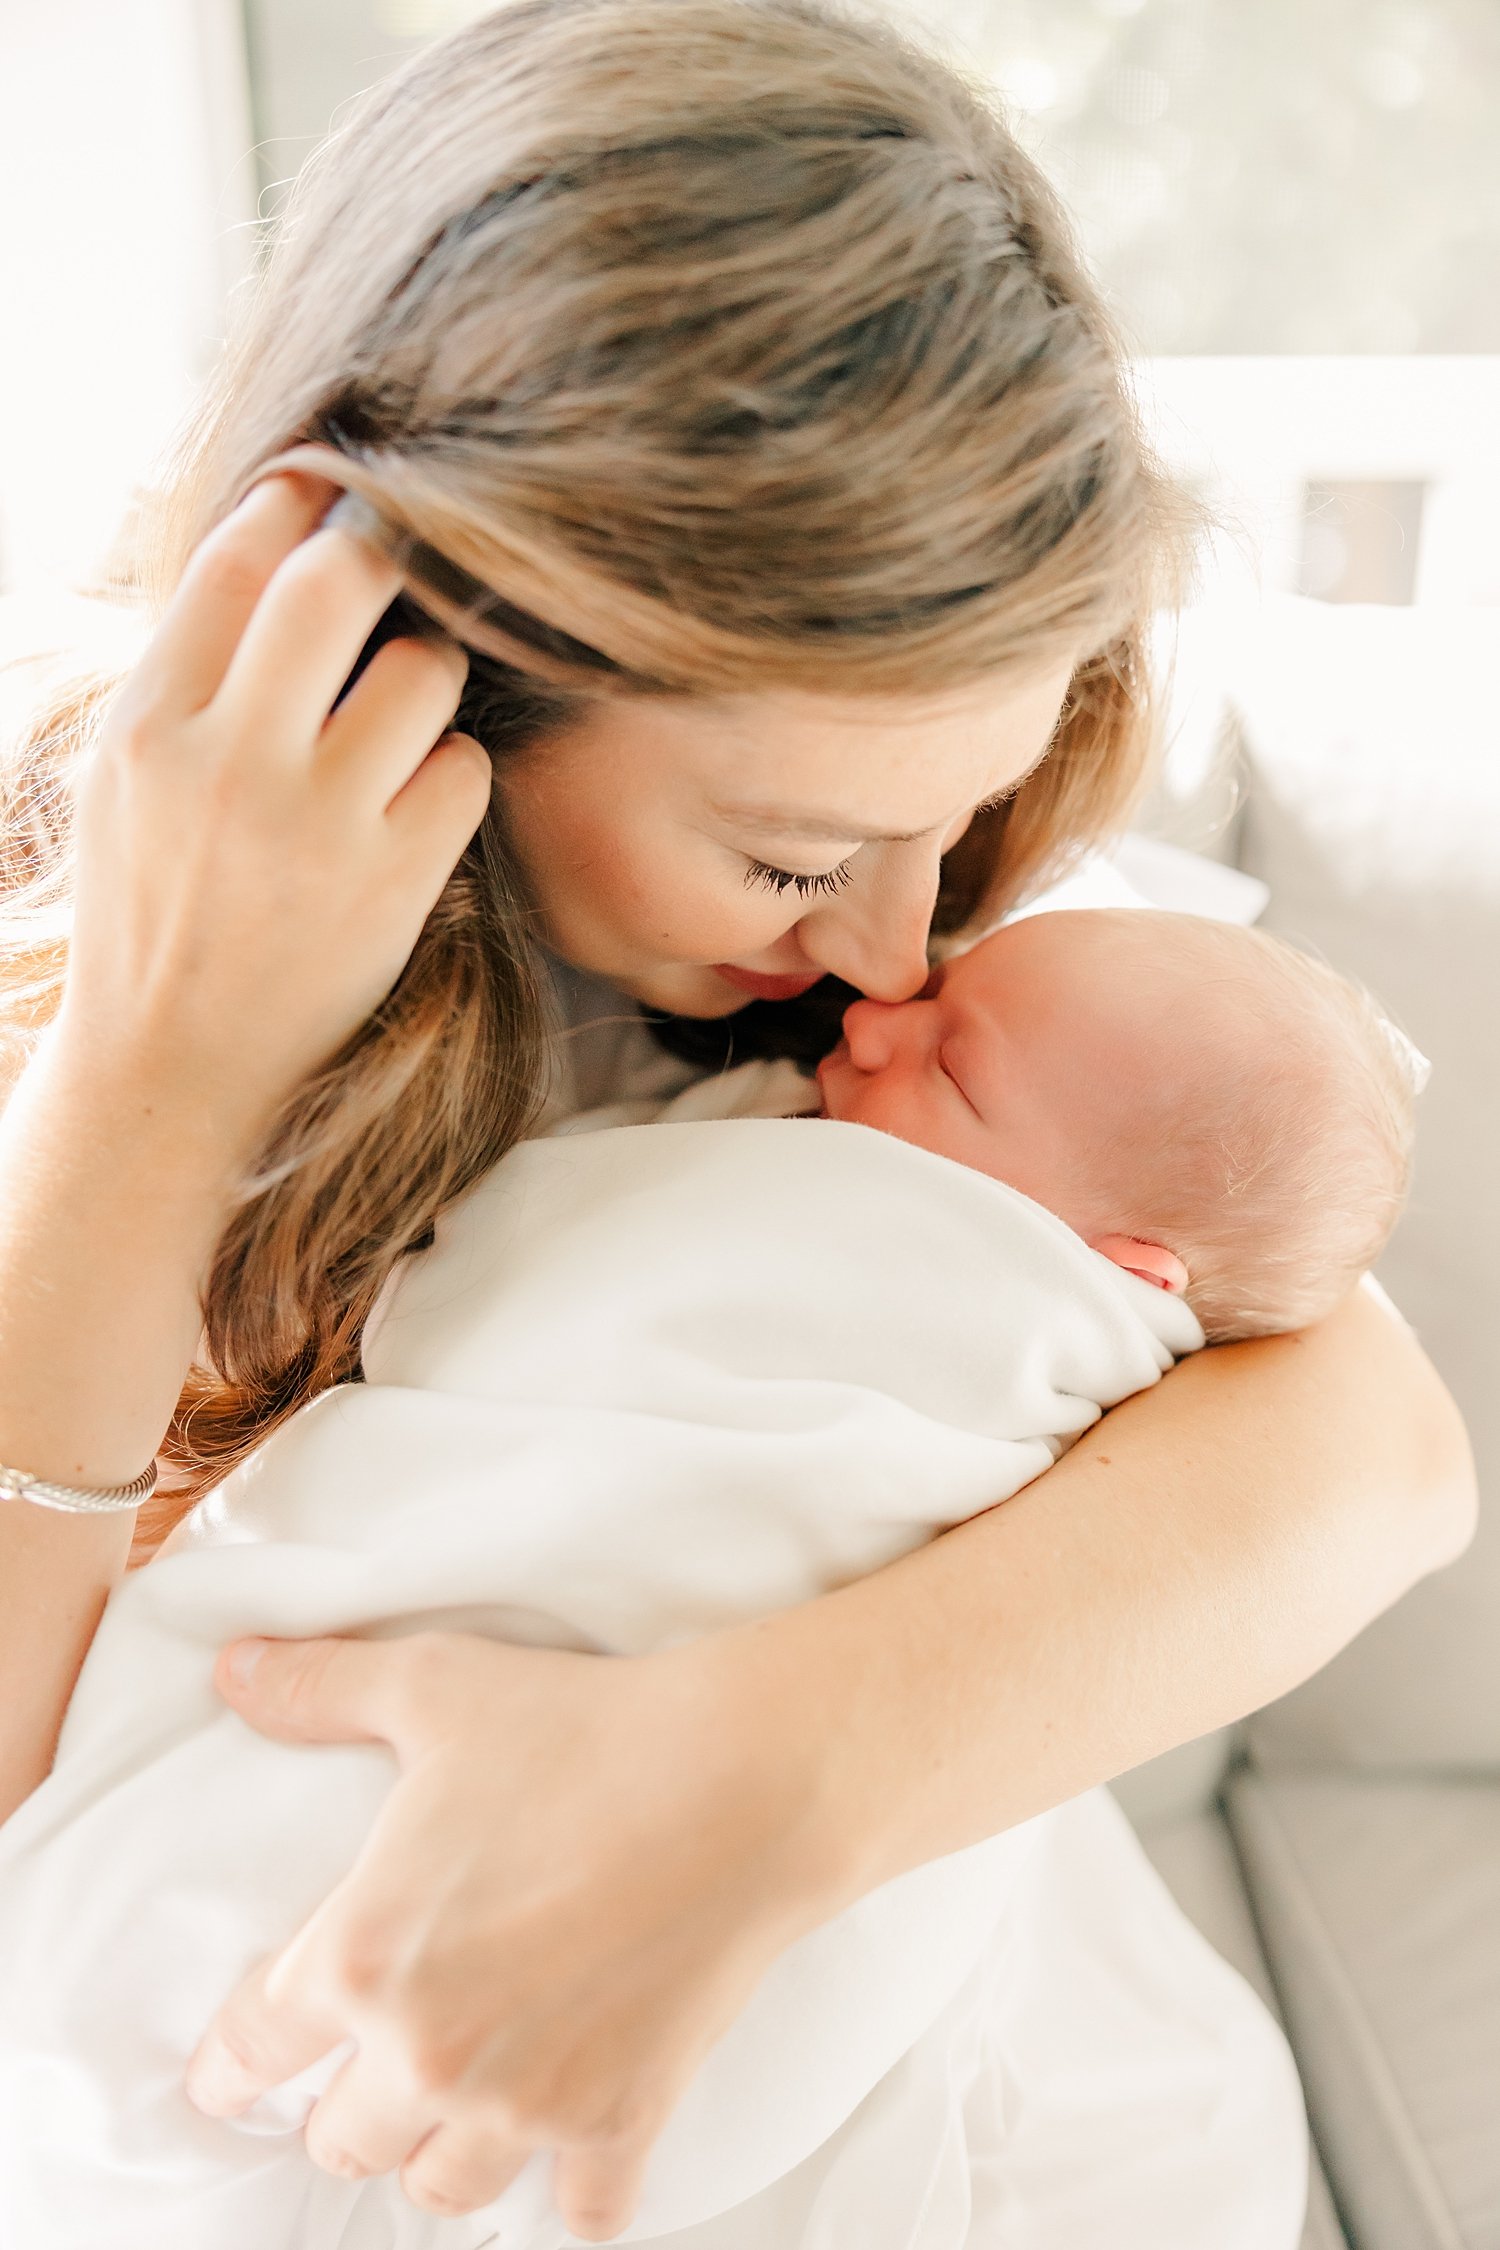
{"x":826,"y":767}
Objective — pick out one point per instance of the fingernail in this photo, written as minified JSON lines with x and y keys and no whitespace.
{"x":261,"y":486}
{"x":243,"y":1658}
{"x":212,"y":2088}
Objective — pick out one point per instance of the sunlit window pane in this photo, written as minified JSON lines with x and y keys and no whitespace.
{"x":1249,"y":175}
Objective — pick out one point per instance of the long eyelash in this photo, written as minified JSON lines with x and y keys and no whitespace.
{"x":781,"y":879}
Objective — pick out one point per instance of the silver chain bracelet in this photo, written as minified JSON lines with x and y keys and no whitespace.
{"x":76,"y":1499}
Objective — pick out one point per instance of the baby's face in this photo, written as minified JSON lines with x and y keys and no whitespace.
{"x":1026,"y":1058}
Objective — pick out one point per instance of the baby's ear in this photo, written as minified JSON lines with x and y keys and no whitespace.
{"x":1148,"y":1259}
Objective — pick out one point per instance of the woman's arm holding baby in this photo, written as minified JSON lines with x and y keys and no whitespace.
{"x":1204,"y":1548}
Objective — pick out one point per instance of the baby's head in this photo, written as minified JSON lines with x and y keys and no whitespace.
{"x":1204,"y":1104}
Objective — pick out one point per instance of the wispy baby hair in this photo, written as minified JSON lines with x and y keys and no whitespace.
{"x":1289,"y":1169}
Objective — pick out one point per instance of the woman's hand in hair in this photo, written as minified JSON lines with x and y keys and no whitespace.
{"x":582,"y":1872}
{"x":253,"y":873}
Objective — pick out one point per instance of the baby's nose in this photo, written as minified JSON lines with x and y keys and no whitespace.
{"x":871,"y":1028}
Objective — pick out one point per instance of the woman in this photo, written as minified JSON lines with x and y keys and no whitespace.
{"x":741,"y":354}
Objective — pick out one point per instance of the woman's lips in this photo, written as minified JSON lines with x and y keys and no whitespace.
{"x":765,"y":988}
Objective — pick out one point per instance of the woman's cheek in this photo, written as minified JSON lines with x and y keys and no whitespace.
{"x":716,"y":922}
{"x":630,"y":883}
{"x":647,"y":890}
{"x":701,"y":910}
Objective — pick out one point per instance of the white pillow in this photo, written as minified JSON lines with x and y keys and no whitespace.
{"x":1143,"y":871}
{"x":1372,"y":811}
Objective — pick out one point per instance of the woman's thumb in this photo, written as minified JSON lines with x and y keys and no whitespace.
{"x":308,"y":1691}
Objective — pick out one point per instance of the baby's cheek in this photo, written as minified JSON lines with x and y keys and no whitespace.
{"x":951,"y":1129}
{"x":895,"y":1106}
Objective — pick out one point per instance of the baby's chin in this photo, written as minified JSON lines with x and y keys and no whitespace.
{"x":837,"y":1084}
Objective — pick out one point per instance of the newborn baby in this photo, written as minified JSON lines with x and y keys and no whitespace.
{"x":1207,"y":1107}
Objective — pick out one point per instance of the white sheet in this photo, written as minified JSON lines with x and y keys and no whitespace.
{"x":647,"y":1381}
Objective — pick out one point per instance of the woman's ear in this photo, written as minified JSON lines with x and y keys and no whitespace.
{"x":1148,"y":1259}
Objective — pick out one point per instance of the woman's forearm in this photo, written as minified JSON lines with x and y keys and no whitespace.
{"x":1203,"y":1549}
{"x":716,"y":1799}
{"x":110,"y":1204}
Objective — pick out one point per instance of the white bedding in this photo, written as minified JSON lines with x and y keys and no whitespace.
{"x":646,"y":1382}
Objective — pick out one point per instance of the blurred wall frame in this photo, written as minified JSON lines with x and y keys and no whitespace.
{"x":1360,"y":539}
{"x":1359,"y":478}
{"x":1248,"y":179}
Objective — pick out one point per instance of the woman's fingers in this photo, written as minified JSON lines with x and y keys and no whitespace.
{"x":545,"y":1932}
{"x":303,"y":640}
{"x":242,"y":902}
{"x":598,"y":2190}
{"x":438,"y":810}
{"x":364,"y":2122}
{"x":461,"y":2167}
{"x":227,"y":573}
{"x":392,"y":717}
{"x":271,"y":2028}
{"x":329,"y":1690}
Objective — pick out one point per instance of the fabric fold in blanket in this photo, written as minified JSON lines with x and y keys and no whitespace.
{"x":646,"y":1382}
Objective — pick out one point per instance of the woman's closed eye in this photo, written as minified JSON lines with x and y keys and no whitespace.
{"x":781,"y":878}
{"x":834,"y":878}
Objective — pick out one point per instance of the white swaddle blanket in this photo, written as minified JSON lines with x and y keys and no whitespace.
{"x":646,"y":1382}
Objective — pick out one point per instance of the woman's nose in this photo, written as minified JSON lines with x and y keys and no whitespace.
{"x":874,"y":935}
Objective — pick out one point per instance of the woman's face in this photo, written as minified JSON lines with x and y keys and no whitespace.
{"x":703,"y":852}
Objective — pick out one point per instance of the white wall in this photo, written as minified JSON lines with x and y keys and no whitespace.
{"x":127,"y":205}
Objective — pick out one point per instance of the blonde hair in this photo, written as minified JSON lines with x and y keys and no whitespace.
{"x":1282,"y":1174}
{"x":730,"y":343}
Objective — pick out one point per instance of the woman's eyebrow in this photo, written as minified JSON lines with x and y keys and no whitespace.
{"x":815,"y":830}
